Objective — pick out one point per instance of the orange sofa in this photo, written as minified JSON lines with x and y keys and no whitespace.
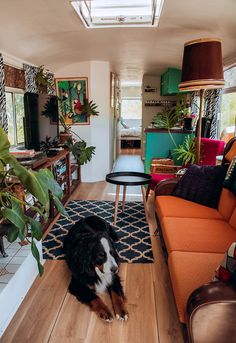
{"x":196,"y":238}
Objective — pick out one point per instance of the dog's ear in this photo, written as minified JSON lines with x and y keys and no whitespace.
{"x":112,"y":233}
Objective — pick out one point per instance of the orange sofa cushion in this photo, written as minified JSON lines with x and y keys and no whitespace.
{"x":189,"y":271}
{"x":197,"y":235}
{"x":227,"y":203}
{"x":170,"y":206}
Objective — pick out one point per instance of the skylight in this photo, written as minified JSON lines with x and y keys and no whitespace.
{"x":118,"y":13}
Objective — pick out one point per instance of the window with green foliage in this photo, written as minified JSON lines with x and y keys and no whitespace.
{"x":228,"y":108}
{"x":15,"y":114}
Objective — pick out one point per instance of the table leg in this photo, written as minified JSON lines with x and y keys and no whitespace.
{"x":116,"y":203}
{"x":123,"y":201}
{"x":144,"y":202}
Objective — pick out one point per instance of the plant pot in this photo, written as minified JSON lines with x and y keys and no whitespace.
{"x":65,"y":136}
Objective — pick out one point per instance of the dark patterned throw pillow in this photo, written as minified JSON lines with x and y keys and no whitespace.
{"x":201,"y":184}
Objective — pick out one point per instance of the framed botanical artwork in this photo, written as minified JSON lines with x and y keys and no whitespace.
{"x":72,"y":93}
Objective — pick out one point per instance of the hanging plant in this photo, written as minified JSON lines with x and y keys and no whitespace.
{"x":42,"y":79}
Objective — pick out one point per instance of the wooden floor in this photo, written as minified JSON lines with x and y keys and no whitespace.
{"x":50,"y":314}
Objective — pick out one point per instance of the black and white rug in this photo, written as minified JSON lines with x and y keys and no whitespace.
{"x":134,"y":245}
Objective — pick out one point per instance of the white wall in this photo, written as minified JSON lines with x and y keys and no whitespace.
{"x":98,"y":133}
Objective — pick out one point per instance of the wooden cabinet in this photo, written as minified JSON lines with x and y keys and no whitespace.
{"x":170,"y":81}
{"x":66,"y":174}
{"x":63,"y":172}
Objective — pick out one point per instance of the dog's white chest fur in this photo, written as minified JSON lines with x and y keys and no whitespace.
{"x":106,"y":276}
{"x":105,"y":281}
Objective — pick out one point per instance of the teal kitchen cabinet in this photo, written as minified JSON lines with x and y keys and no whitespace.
{"x":170,"y":81}
{"x":159,"y":144}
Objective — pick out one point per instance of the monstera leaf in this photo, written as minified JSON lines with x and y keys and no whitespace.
{"x":82,"y":153}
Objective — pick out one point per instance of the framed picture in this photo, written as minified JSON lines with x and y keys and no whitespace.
{"x":72,"y":93}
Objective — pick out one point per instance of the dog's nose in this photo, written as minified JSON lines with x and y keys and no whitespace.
{"x":114,"y":269}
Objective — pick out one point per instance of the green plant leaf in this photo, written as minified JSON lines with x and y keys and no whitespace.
{"x":59,"y":206}
{"x":36,"y":255}
{"x":12,"y":233}
{"x":82,"y":153}
{"x":36,"y":228}
{"x":31,"y":181}
{"x":187,"y":151}
{"x":4,"y":142}
{"x":15,"y":214}
{"x":47,"y":180}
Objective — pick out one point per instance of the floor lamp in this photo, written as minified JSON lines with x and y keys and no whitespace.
{"x":202,"y":69}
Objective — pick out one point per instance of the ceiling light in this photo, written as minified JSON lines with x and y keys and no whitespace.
{"x":118,"y":13}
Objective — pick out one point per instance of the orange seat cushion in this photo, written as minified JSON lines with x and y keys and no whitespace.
{"x":197,"y":235}
{"x":189,"y":271}
{"x":170,"y":206}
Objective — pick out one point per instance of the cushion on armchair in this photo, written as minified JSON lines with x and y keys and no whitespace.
{"x":201,"y":184}
{"x":211,"y":149}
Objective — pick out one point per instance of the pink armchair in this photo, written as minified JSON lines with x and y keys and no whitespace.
{"x":211,"y":149}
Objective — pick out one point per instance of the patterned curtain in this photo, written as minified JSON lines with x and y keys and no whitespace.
{"x":51,"y":87}
{"x":212,"y":108}
{"x":3,"y":112}
{"x":30,"y":85}
{"x":30,"y":72}
{"x":194,"y":103}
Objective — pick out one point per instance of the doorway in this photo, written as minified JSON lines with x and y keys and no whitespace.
{"x":130,"y":123}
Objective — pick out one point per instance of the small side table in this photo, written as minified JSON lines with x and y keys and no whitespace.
{"x":128,"y":179}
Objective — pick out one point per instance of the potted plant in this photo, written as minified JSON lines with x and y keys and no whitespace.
{"x":71,"y":140}
{"x":41,"y":185}
{"x":42,"y":80}
{"x":66,"y":134}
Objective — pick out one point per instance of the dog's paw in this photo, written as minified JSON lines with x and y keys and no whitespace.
{"x":122,"y":315}
{"x":105,"y":315}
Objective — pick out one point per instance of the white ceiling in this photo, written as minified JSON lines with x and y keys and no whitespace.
{"x":49,"y":32}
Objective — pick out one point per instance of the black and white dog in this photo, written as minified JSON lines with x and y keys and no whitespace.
{"x":94,"y":263}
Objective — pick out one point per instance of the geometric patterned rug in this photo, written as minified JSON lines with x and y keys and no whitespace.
{"x":134,"y":244}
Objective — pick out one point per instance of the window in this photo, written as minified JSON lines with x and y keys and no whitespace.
{"x":15,"y":114}
{"x":131,"y":108}
{"x":228,"y":108}
{"x":117,"y":13}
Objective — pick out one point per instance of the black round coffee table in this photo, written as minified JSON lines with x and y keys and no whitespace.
{"x":128,"y":179}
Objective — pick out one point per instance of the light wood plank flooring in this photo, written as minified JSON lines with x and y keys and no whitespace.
{"x":50,"y":314}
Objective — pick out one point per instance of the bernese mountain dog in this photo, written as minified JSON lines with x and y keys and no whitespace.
{"x":94,"y":263}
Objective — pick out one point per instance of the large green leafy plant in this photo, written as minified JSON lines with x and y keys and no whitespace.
{"x":82,"y":153}
{"x":41,"y":185}
{"x":167,"y":118}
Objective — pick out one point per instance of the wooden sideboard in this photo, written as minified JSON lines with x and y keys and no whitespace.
{"x":67,"y":175}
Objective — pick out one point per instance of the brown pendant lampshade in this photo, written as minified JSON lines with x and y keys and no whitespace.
{"x":202,"y":66}
{"x":202,"y":69}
